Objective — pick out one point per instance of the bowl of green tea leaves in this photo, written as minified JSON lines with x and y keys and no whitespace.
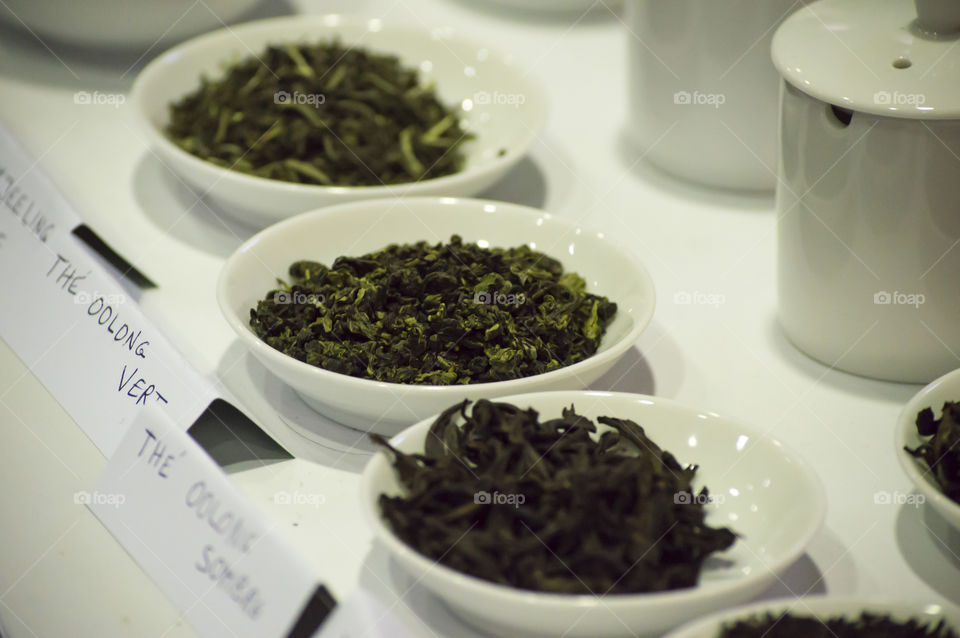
{"x":827,"y":617}
{"x":278,"y":116}
{"x":380,"y":313}
{"x":588,"y":513}
{"x":928,"y":445}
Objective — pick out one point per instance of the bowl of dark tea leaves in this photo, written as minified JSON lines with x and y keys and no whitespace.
{"x":275,"y":117}
{"x":827,"y":617}
{"x":928,"y":445}
{"x":588,"y":513}
{"x":383,"y":312}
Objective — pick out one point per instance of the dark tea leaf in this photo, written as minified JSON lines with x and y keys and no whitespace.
{"x":320,"y":114}
{"x":435,"y":314}
{"x":865,"y":626}
{"x":941,"y":452}
{"x":550,"y":506}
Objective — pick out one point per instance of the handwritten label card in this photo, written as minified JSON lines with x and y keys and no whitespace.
{"x":163,"y":498}
{"x":211,"y":552}
{"x":70,"y":321}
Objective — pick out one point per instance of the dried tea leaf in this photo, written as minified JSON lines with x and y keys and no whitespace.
{"x":865,"y":626}
{"x":435,"y":314}
{"x":941,"y":452}
{"x":549,"y":506}
{"x":321,"y":114}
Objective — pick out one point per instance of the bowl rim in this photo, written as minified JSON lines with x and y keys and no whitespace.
{"x":478,"y":586}
{"x":816,"y":605}
{"x":320,"y":375}
{"x":906,"y":431}
{"x":533,"y":90}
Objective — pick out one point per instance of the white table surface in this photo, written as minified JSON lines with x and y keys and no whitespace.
{"x":62,"y":574}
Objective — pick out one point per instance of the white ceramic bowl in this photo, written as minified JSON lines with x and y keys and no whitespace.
{"x":488,"y":86}
{"x":769,"y":496}
{"x":821,"y":607}
{"x":361,"y":227}
{"x":554,"y":6}
{"x":122,"y":23}
{"x":946,"y":388}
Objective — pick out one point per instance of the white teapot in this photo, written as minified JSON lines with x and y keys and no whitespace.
{"x":868,"y":194}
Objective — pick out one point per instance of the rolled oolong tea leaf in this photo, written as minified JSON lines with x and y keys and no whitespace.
{"x":548,"y":506}
{"x":941,"y":452}
{"x":321,"y":114}
{"x":865,"y":626}
{"x":435,"y":314}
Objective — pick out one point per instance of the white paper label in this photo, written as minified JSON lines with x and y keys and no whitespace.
{"x":72,"y":324}
{"x":211,"y":552}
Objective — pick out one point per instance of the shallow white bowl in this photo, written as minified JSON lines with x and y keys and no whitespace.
{"x":946,"y":388}
{"x":488,"y":84}
{"x":361,"y":227}
{"x":553,"y":6}
{"x":821,"y":607}
{"x":122,"y":23}
{"x":768,"y":495}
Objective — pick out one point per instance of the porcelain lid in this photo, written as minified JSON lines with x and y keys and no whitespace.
{"x":897,"y":58}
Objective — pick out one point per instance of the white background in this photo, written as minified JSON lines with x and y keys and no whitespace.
{"x":730,"y":358}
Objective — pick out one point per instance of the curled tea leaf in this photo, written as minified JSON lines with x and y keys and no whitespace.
{"x":941,"y":452}
{"x":438,"y":314}
{"x":548,"y":505}
{"x":866,"y":625}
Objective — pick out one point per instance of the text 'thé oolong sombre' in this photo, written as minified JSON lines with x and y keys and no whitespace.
{"x":547,"y":506}
{"x":439,"y":314}
{"x":321,"y":114}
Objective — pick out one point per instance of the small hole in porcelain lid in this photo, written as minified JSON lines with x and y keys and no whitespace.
{"x":902,"y":63}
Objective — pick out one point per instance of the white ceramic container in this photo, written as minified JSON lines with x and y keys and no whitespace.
{"x":770,"y":496}
{"x":869,"y":189}
{"x":121,"y":24}
{"x":703,"y":92}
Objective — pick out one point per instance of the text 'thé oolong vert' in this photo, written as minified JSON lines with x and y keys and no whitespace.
{"x":548,"y":506}
{"x":438,"y":314}
{"x":321,"y":114}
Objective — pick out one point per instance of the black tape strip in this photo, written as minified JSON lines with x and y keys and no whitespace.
{"x":314,"y":613}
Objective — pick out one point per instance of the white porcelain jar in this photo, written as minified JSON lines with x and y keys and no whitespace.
{"x":703,"y":92}
{"x":869,"y":186}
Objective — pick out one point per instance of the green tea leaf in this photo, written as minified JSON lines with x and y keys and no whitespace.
{"x":434,"y":314}
{"x":321,"y":114}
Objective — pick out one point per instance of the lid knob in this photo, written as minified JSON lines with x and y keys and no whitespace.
{"x":938,"y":16}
